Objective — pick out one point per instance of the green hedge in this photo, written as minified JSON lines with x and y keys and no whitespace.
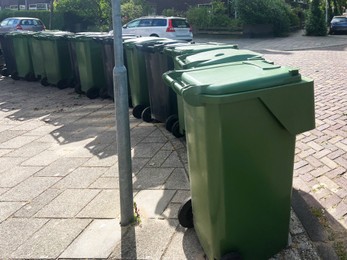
{"x":57,"y":22}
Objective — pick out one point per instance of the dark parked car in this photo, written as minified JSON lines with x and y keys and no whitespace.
{"x":338,"y":25}
{"x":21,"y":23}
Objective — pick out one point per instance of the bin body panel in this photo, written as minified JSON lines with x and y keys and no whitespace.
{"x":109,"y":62}
{"x":37,"y":57}
{"x":8,"y":52}
{"x":74,"y":64}
{"x":57,"y":59}
{"x":90,"y":68}
{"x":253,"y":216}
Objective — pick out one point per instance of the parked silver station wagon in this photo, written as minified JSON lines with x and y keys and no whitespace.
{"x":21,"y":23}
{"x":160,"y":26}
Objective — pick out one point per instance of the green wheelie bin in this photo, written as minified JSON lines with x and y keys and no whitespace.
{"x":57,"y":66}
{"x":137,"y":73}
{"x":163,"y":101}
{"x":24,"y":65}
{"x":241,"y":122}
{"x":90,"y":64}
{"x":175,"y":124}
{"x":10,"y":67}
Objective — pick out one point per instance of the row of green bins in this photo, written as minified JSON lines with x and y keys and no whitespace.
{"x":90,"y":68}
{"x":137,"y":73}
{"x":22,"y":55}
{"x":10,"y":67}
{"x":76,"y":82}
{"x":57,"y":67}
{"x":241,"y":121}
{"x":163,"y":102}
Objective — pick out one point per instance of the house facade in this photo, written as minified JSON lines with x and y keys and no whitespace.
{"x":25,"y":4}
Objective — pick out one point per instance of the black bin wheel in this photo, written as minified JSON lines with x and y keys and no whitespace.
{"x":232,"y":256}
{"x":62,"y":84}
{"x":137,"y":111}
{"x":92,"y":93}
{"x":176,"y":129}
{"x":146,"y":115}
{"x":185,"y":214}
{"x":30,"y":76}
{"x":15,"y":76}
{"x":170,"y":121}
{"x":103,"y":93}
{"x":44,"y":82}
{"x":4,"y":72}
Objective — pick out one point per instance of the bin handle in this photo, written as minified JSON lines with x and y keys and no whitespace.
{"x":171,"y":79}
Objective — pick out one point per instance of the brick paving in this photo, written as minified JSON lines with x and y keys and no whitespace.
{"x":59,"y":176}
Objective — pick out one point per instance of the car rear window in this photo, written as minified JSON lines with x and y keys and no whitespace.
{"x":4,"y":22}
{"x":180,"y":23}
{"x":339,"y":19}
{"x":159,"y":22}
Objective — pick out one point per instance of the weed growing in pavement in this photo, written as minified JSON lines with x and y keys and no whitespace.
{"x":137,"y":218}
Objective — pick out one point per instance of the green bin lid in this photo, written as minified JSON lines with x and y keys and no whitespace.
{"x":231,"y":78}
{"x":52,"y":35}
{"x":287,"y":96}
{"x":196,"y":48}
{"x":213,"y":57}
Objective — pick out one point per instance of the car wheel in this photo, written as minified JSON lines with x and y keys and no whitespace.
{"x":154,"y":35}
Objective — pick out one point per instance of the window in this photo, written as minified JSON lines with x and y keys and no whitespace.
{"x":133,"y":24}
{"x":159,"y":22}
{"x":180,"y":23}
{"x":4,"y":22}
{"x":145,"y":23}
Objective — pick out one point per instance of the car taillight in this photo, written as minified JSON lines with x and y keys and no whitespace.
{"x":170,"y":28}
{"x":19,"y":27}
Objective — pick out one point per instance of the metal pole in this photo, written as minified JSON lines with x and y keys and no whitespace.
{"x":326,"y":11}
{"x":122,"y":121}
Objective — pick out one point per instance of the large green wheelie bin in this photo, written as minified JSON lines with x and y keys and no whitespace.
{"x":10,"y":67}
{"x":90,"y":63}
{"x":137,"y":73}
{"x":176,"y":126}
{"x":24,"y":65}
{"x":57,"y":65}
{"x":241,"y":122}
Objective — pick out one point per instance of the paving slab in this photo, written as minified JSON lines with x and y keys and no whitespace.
{"x":146,"y":241}
{"x":29,"y":189}
{"x":105,"y":205}
{"x":51,"y":240}
{"x":82,"y":177}
{"x":68,"y":204}
{"x":97,"y":241}
{"x":16,"y":175}
{"x":15,"y":231}
{"x":8,"y":208}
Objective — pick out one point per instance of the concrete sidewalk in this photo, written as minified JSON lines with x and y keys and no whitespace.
{"x":59,"y":177}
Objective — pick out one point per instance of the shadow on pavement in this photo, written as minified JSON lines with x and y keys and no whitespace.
{"x":327,"y":234}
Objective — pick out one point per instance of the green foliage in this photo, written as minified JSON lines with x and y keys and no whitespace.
{"x":215,"y":15}
{"x":57,"y":21}
{"x":275,"y":12}
{"x":131,"y":9}
{"x":315,"y":21}
{"x":86,"y":12}
{"x":172,"y":12}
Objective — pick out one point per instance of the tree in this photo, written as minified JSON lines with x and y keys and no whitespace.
{"x":89,"y":12}
{"x":315,"y":22}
